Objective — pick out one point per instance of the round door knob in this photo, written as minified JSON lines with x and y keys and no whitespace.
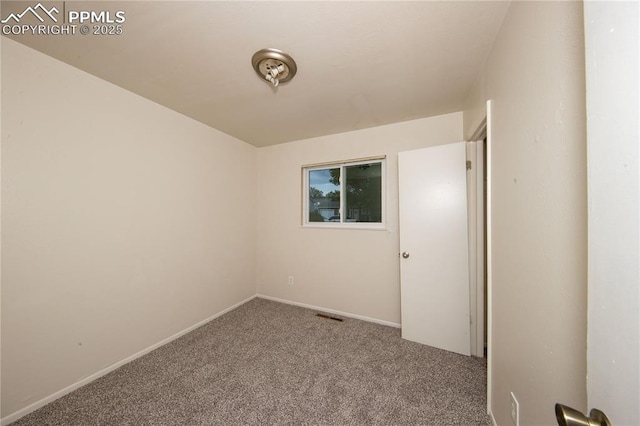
{"x":405,"y":255}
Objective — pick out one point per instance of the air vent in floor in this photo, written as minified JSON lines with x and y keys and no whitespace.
{"x":329,"y":317}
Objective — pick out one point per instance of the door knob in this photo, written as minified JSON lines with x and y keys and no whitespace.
{"x":567,"y":416}
{"x":405,"y":255}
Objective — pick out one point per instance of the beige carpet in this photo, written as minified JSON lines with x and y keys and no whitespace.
{"x":267,"y":363}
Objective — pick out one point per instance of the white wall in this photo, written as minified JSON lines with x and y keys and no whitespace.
{"x":535,"y":79}
{"x":123,"y":223}
{"x":612,"y":46}
{"x":352,"y":271}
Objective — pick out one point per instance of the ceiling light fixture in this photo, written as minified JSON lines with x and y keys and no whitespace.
{"x":274,"y":65}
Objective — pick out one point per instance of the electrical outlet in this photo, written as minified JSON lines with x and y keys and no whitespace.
{"x":515,"y":410}
{"x":290,"y":281}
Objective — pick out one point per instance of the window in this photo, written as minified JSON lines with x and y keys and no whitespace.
{"x":348,"y":194}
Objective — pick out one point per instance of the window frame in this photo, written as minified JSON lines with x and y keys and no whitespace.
{"x":382,"y":225}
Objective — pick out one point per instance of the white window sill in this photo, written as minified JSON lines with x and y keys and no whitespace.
{"x":361,"y":226}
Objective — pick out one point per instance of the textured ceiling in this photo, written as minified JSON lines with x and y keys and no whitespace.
{"x":360,"y":64}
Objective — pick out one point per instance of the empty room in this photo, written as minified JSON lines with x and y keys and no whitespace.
{"x":322,"y":212}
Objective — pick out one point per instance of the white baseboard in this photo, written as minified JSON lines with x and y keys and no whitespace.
{"x":330,"y":311}
{"x":493,"y":419}
{"x":44,"y":401}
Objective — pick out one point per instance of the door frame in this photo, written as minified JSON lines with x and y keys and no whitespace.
{"x":488,"y":130}
{"x":484,"y":131}
{"x":477,"y":265}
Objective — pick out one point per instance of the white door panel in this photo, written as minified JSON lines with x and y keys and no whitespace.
{"x":433,"y":233}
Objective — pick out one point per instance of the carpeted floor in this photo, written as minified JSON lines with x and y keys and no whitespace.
{"x":268,"y":363}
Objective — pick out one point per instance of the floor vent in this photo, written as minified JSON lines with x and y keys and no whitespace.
{"x":329,"y":317}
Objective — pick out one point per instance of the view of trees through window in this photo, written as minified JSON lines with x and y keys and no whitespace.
{"x":356,"y":188}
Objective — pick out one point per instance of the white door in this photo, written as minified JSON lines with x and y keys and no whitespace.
{"x":613,"y":97}
{"x":434,"y":266}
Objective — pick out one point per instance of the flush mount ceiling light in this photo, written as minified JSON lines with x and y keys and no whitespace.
{"x":274,"y":65}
